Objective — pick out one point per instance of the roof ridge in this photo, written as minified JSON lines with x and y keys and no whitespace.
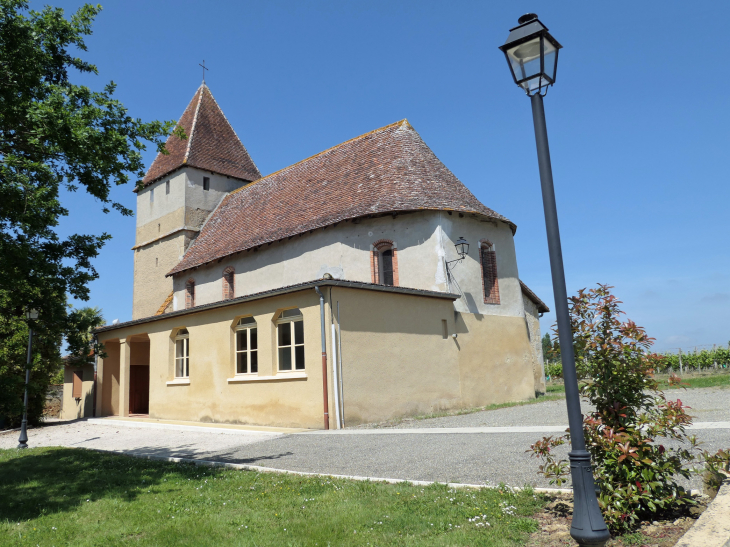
{"x":404,"y":121}
{"x":232,"y":129}
{"x":195,"y":121}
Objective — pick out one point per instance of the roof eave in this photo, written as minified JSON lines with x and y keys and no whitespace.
{"x":182,"y":166}
{"x":175,"y":271}
{"x":280,"y":291}
{"x":541,"y":306}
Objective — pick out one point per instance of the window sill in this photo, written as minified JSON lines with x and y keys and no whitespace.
{"x":242,"y":379}
{"x":179,"y":382}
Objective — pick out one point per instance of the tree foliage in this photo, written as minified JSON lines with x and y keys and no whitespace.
{"x":628,"y":432}
{"x":53,"y":135}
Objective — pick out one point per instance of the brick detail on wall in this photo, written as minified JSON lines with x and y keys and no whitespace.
{"x":395,"y":268}
{"x":374,"y":270}
{"x":375,"y":261}
{"x":490,"y":281}
{"x":190,"y":293}
{"x":228,"y":283}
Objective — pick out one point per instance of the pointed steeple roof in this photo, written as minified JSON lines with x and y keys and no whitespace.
{"x":212,"y":144}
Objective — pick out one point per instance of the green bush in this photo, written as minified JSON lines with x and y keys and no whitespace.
{"x":637,"y":476}
{"x":695,"y":361}
{"x":554,"y":370}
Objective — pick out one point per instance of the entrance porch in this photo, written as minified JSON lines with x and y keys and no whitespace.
{"x":123,"y":377}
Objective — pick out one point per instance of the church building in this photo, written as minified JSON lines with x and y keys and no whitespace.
{"x":361,"y":284}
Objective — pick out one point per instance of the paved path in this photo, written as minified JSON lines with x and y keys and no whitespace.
{"x":481,"y":448}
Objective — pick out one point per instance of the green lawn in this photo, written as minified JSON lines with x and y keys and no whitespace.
{"x":689,"y":382}
{"x":714,"y":380}
{"x":64,"y":496}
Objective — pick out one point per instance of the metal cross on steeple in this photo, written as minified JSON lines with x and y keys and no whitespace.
{"x":204,"y":69}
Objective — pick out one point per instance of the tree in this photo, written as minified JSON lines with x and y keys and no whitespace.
{"x":53,"y":135}
{"x":92,"y":317}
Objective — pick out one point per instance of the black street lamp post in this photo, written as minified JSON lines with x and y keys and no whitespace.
{"x":532,"y":55}
{"x":23,"y":439}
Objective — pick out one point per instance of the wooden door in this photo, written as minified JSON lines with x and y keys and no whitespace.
{"x":139,"y":389}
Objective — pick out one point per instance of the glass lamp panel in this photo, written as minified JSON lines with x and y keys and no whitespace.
{"x":525,"y":59}
{"x":551,"y":60}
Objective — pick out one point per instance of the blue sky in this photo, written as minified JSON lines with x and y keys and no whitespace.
{"x":637,"y":122}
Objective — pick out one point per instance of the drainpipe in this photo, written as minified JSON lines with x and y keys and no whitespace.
{"x":324,"y":360}
{"x":334,"y":366}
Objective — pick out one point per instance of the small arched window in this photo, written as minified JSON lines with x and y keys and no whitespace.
{"x":190,"y":293}
{"x":290,"y":340}
{"x":182,"y":354}
{"x":384,"y":266}
{"x":490,"y":282}
{"x":247,"y":347}
{"x":228,"y":283}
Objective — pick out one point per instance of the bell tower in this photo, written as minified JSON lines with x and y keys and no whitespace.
{"x":179,"y":192}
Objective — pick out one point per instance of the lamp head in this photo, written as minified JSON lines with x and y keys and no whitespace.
{"x":462,"y":247}
{"x":31,"y":314}
{"x":532,"y":54}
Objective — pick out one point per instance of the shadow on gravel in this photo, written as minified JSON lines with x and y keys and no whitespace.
{"x":192,"y":452}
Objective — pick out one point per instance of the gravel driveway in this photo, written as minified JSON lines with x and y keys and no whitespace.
{"x":475,"y":458}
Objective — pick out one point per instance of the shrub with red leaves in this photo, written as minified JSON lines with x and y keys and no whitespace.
{"x":636,"y":474}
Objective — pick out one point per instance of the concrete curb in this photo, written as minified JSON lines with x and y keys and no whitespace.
{"x":237,"y":430}
{"x":712,"y":529}
{"x":247,"y":467}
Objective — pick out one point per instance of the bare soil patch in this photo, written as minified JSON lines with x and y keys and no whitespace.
{"x":554,"y":526}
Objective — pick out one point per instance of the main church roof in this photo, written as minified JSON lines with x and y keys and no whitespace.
{"x":389,"y":170}
{"x":212,"y":144}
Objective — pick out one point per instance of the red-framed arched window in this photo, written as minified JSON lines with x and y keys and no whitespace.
{"x":384,"y":263}
{"x":228,"y":283}
{"x":490,"y":281}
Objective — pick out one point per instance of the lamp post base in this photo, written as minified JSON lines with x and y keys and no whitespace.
{"x":23,"y":439}
{"x":587,"y":527}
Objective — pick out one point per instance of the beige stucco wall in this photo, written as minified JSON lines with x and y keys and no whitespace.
{"x":280,"y":399}
{"x":151,"y":263}
{"x":395,"y":361}
{"x":107,"y":380}
{"x":532,"y":317}
{"x":78,"y":408}
{"x":423,"y":240}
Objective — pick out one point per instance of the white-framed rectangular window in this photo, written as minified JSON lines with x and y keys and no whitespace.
{"x":290,"y":340}
{"x":206,"y":183}
{"x":182,"y":354}
{"x":152,"y":195}
{"x":167,"y":187}
{"x":247,"y":346}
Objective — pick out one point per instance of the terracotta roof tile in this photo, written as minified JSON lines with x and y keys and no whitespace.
{"x":388,"y":170}
{"x":212,"y":144}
